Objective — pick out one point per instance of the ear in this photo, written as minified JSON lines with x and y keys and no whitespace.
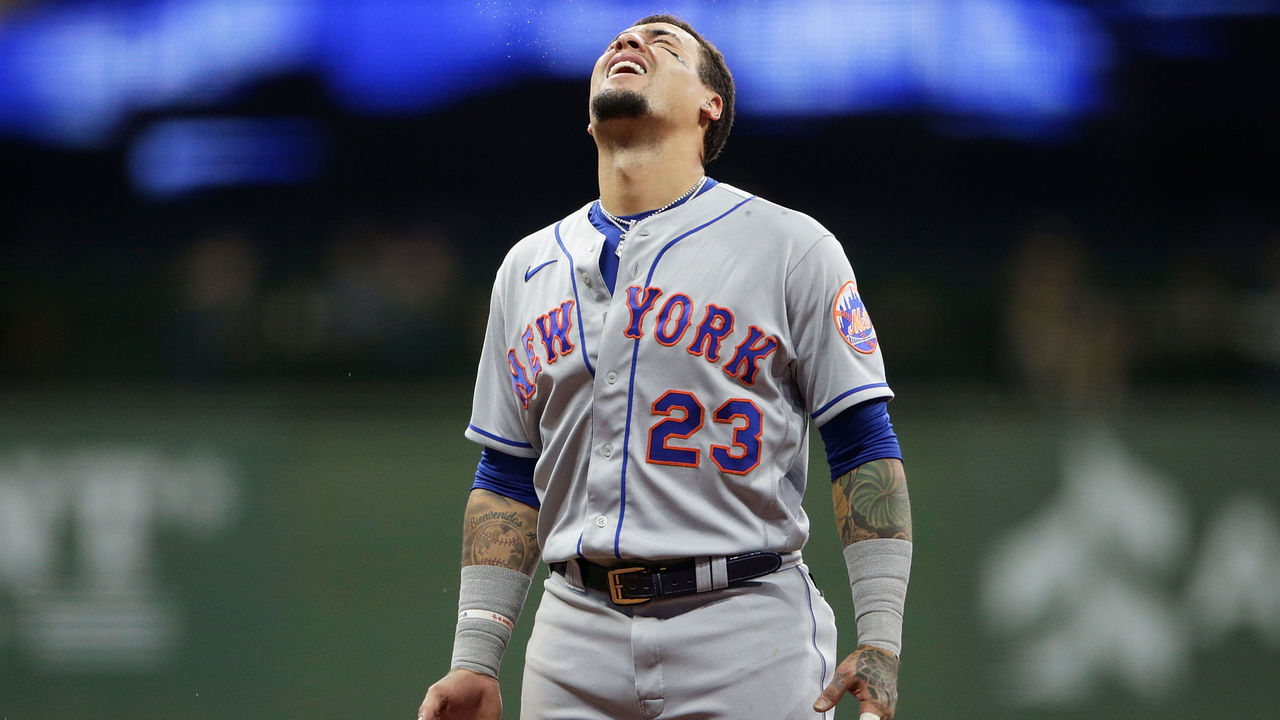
{"x":712,"y":108}
{"x":590,"y":130}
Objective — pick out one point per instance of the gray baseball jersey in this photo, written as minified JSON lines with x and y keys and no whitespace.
{"x":670,"y":418}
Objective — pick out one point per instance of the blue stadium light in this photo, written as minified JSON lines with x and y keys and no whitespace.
{"x":71,"y":74}
{"x":175,"y":157}
{"x":1172,"y":9}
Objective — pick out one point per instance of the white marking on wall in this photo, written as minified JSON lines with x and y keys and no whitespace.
{"x":1091,"y":591}
{"x":78,"y":532}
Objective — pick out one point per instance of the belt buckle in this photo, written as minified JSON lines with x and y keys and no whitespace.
{"x":615,"y":586}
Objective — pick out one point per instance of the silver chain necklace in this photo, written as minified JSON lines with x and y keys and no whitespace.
{"x":629,"y":224}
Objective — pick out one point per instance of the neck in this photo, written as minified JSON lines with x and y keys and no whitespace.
{"x":635,"y":179}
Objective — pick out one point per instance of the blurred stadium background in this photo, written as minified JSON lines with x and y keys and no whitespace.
{"x":247,"y":247}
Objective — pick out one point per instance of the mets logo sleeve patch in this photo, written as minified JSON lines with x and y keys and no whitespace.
{"x":852,"y":320}
{"x":838,"y":351}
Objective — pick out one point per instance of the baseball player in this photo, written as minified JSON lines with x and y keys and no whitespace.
{"x":650,"y":368}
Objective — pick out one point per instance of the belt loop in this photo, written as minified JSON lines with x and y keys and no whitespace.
{"x":719,"y":573}
{"x":573,"y":573}
{"x":702,"y":573}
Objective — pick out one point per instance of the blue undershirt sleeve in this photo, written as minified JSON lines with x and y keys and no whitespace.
{"x":859,"y":435}
{"x":507,"y":475}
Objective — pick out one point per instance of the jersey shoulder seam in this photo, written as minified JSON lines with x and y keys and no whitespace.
{"x":733,"y":190}
{"x":807,"y":252}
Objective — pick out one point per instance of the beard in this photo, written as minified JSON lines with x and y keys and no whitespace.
{"x":618,"y":104}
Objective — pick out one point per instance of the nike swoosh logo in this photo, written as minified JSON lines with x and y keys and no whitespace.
{"x":534,"y":270}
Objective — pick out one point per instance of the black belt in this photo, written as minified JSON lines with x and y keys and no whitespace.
{"x":632,"y":583}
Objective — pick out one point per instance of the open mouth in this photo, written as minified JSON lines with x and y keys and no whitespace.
{"x":626,"y":66}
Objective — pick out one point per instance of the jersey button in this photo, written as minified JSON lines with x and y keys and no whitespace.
{"x":601,"y":521}
{"x":607,"y":451}
{"x":612,"y":377}
{"x":586,"y":279}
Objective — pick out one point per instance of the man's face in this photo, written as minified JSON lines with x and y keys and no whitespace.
{"x":648,"y":70}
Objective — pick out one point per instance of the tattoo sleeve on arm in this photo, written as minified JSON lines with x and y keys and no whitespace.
{"x":500,"y":531}
{"x":871,"y":502}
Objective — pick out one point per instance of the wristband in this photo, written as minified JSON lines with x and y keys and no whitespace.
{"x":878,"y":573}
{"x":490,"y":599}
{"x":489,"y":615}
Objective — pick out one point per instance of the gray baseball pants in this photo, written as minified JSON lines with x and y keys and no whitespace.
{"x":762,"y":650}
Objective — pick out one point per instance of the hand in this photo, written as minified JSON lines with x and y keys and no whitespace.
{"x":869,"y":674}
{"x":462,"y":695}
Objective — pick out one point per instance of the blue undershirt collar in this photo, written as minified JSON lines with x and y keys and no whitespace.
{"x":612,"y":234}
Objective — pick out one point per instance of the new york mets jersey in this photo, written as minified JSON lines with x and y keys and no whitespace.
{"x":669,"y":418}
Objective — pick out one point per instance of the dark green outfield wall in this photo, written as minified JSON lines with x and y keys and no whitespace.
{"x":292,"y":553}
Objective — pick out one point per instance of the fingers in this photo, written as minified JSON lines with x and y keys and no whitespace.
{"x":833,"y":692}
{"x":860,"y":676}
{"x":872,"y":710}
{"x":430,"y":708}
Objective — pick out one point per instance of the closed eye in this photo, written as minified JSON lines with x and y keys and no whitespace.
{"x":674,"y":55}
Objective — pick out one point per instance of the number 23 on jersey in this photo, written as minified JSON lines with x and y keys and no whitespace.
{"x":673,"y":441}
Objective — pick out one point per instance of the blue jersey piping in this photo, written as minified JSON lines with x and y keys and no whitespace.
{"x":844,"y":395}
{"x":504,"y":441}
{"x":631,"y":387}
{"x":577,"y":302}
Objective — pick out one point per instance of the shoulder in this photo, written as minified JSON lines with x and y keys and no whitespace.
{"x":775,"y":227}
{"x":777,"y":221}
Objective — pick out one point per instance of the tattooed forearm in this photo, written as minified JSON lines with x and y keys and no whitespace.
{"x":871,"y":502}
{"x":500,"y":531}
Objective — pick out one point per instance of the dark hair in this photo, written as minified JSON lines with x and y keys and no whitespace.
{"x":715,"y":74}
